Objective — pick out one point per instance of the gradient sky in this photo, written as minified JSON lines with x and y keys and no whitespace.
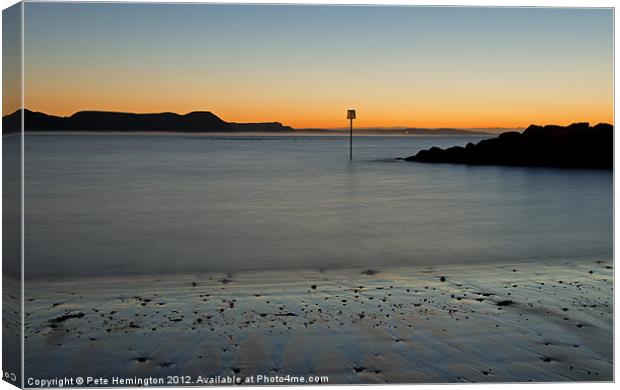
{"x":11,"y":59}
{"x":305,"y":65}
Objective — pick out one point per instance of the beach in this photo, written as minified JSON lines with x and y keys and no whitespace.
{"x":445,"y":324}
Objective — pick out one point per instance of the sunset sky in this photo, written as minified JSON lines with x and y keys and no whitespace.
{"x":305,"y":65}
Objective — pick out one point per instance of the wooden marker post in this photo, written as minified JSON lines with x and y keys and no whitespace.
{"x":350,"y":117}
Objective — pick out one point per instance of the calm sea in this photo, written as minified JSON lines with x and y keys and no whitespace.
{"x":107,"y":205}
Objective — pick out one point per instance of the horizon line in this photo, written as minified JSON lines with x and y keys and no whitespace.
{"x":331,"y":128}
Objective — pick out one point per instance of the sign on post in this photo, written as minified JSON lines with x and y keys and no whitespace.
{"x":350,"y":117}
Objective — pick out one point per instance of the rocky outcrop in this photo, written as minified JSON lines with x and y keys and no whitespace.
{"x":574,"y":146}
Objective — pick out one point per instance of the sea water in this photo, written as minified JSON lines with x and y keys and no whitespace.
{"x":153,"y":204}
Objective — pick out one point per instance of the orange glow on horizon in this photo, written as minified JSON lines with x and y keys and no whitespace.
{"x":429,"y":117}
{"x":460,"y":102}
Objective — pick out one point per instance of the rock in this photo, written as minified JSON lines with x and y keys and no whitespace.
{"x":574,"y":146}
{"x":58,"y":320}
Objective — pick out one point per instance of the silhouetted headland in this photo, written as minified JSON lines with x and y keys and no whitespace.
{"x":193,"y":122}
{"x":574,"y":146}
{"x":197,"y":121}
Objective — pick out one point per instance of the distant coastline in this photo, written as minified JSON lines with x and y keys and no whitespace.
{"x":105,"y":121}
{"x":199,"y":122}
{"x":443,"y":131}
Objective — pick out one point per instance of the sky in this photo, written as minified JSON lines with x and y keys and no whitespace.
{"x":305,"y":66}
{"x":11,"y":59}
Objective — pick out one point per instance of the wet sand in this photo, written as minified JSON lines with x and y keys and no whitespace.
{"x":523,"y":322}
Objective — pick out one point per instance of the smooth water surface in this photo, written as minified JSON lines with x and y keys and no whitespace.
{"x":128,"y":204}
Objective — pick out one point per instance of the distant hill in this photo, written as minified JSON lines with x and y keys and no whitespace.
{"x":397,"y":131}
{"x":574,"y":146}
{"x":197,"y":121}
{"x":193,"y":122}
